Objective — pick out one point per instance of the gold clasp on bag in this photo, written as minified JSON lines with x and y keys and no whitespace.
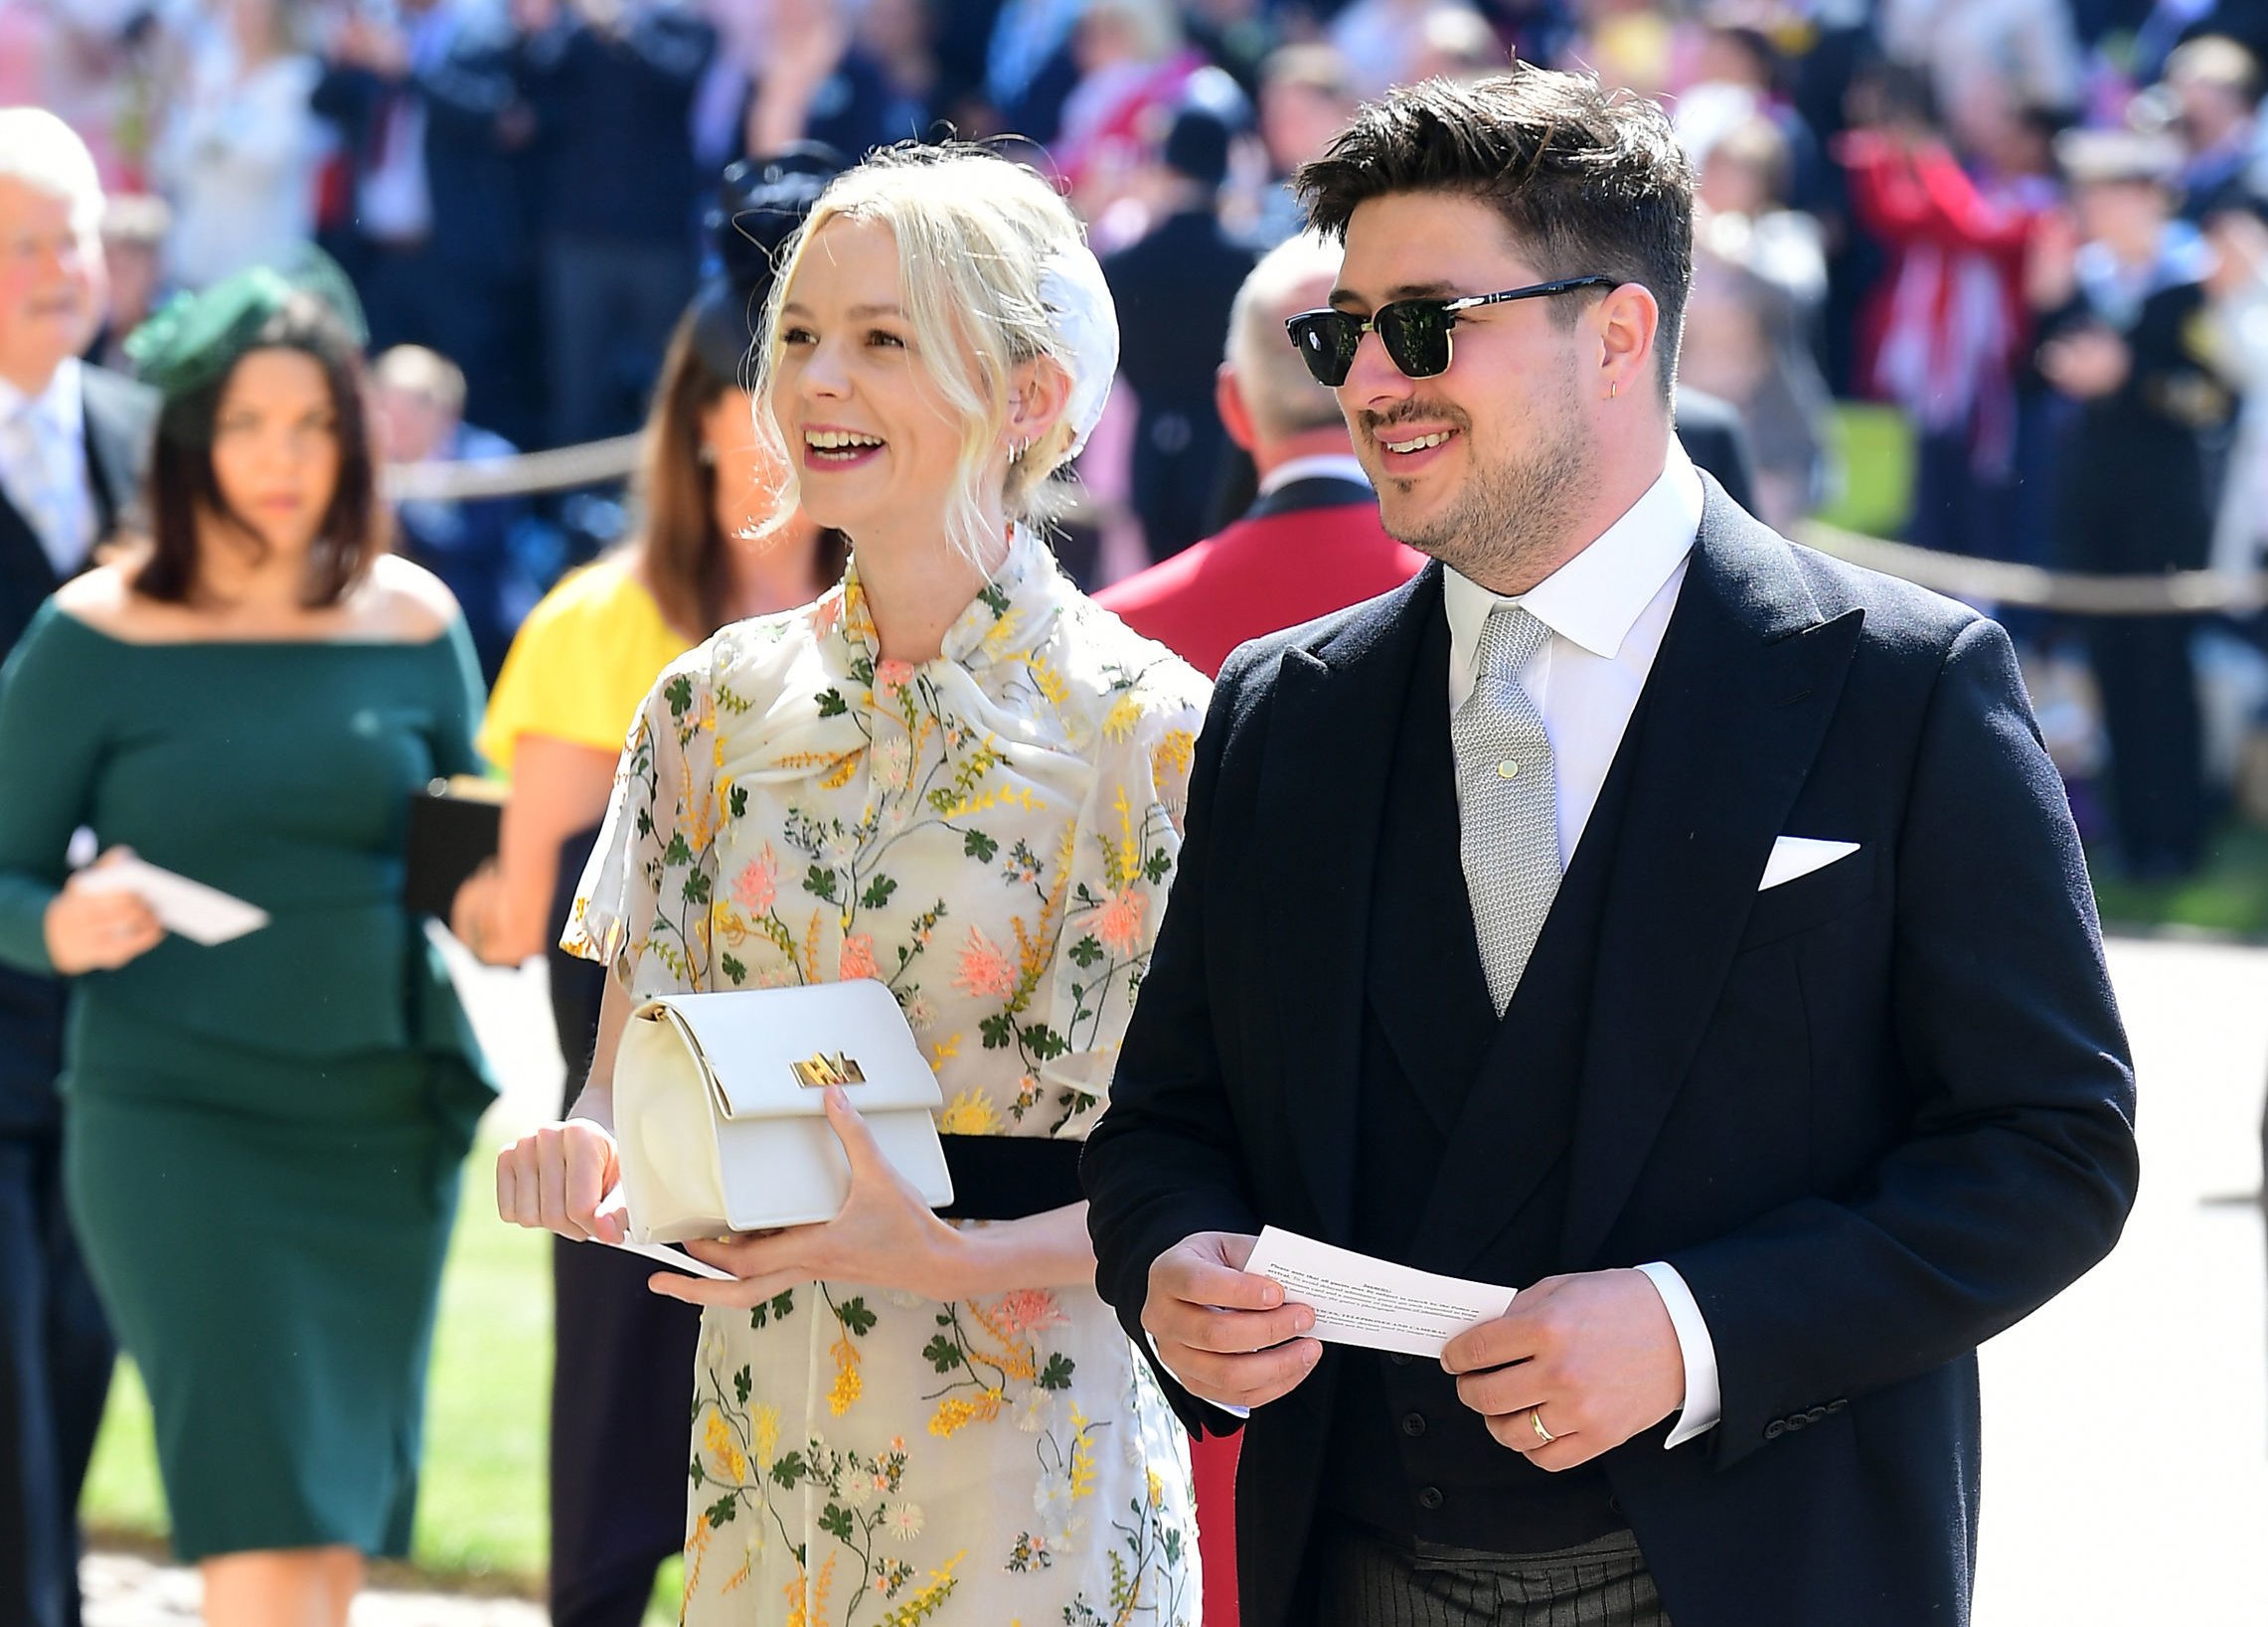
{"x":820,"y":1071}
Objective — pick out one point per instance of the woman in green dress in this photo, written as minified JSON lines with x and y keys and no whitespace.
{"x":263,"y":1136}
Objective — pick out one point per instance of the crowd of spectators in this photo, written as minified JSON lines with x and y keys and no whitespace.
{"x":1965,"y":210}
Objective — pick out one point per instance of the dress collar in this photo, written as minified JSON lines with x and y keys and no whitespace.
{"x":1013,"y":612}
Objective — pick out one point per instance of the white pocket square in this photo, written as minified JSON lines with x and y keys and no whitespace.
{"x":1794,"y":856}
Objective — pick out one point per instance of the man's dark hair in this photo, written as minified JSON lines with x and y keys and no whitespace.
{"x":1590,"y":182}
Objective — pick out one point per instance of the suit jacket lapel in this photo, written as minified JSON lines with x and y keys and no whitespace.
{"x":1737,"y":703}
{"x":1322,"y":794}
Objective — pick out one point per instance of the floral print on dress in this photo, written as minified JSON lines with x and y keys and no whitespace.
{"x":991,"y":835}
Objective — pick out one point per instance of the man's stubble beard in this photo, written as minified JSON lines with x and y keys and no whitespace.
{"x":1510,"y":520}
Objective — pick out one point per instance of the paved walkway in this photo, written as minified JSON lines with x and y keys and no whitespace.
{"x":2126,"y":1425}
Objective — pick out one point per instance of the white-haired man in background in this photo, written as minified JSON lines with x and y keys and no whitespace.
{"x":72,"y":442}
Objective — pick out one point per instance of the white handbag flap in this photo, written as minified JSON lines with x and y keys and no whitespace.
{"x":772,"y":1058}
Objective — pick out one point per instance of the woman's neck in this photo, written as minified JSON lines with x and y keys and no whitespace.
{"x":238,"y":588}
{"x":916,"y":585}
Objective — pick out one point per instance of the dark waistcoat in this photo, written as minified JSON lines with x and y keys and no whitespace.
{"x":1405,"y":1454}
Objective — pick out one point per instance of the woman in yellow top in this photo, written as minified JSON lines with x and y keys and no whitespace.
{"x":574,"y":681}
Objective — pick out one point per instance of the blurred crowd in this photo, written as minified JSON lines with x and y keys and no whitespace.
{"x":2010,"y":231}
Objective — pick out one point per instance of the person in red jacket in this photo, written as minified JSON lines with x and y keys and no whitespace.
{"x":1310,"y":544}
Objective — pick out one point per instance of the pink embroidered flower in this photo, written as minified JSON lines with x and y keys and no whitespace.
{"x":890,"y":677}
{"x":1120,"y":926}
{"x":1029,"y":1310}
{"x":986,"y":971}
{"x":758,"y":885}
{"x":858,"y":959}
{"x":829,"y":615}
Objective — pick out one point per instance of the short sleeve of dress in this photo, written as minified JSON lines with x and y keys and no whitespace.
{"x":643,"y":907}
{"x":1126,"y":845}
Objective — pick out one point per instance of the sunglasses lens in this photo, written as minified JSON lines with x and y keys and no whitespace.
{"x":1327,"y":340}
{"x":1417,"y":335}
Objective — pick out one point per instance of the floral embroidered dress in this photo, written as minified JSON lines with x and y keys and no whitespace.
{"x":991,"y":834}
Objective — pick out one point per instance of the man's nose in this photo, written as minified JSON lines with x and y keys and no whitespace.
{"x":1373,"y":380}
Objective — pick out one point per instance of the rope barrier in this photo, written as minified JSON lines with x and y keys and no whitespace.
{"x":589,"y":464}
{"x":1999,"y":581}
{"x":1996,"y":582}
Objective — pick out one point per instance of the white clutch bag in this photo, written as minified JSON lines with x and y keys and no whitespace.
{"x":720,"y":1110}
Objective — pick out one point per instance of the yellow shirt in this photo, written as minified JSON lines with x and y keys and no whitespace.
{"x":582,"y":663}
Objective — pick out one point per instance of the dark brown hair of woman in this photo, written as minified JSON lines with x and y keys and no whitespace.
{"x":685,"y":550}
{"x":182,"y":489}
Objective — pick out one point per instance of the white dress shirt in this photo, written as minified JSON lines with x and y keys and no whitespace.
{"x":1607,"y":609}
{"x":1319,"y":466}
{"x":43,"y":468}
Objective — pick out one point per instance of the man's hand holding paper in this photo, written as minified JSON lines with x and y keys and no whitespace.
{"x":1227,"y":1334}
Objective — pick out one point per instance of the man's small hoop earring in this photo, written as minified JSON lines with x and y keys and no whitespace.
{"x":1613,"y":389}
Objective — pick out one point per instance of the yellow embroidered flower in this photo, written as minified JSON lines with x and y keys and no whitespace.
{"x":1118,"y":724}
{"x":766,"y":1421}
{"x":969,"y":1113}
{"x":951,"y":1414}
{"x":1157,"y":1488}
{"x":1171,"y":758}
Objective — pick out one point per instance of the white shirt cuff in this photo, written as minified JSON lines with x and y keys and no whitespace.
{"x":1233,"y":1411}
{"x":1704,"y":1398}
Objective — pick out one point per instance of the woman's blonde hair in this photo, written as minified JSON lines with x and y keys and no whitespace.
{"x":974,"y":231}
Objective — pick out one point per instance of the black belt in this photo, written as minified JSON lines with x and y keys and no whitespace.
{"x":1005,"y":1178}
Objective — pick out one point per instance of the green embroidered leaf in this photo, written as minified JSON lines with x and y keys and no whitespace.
{"x":820,"y":883}
{"x":1045,"y":1042}
{"x":679,"y":693}
{"x":1171,"y":1541}
{"x":943,"y":1354}
{"x":999,"y":1032}
{"x":996,"y":599}
{"x":740,"y":801}
{"x":1088,"y":950}
{"x":1056,"y":1374}
{"x":863,"y":670}
{"x":878,"y":893}
{"x":853,"y":1314}
{"x":698,"y":1475}
{"x":784,"y":1303}
{"x":678,"y":852}
{"x":721,"y":1511}
{"x":741,"y":1385}
{"x":734,"y":969}
{"x":836,"y":1522}
{"x":1158,"y":866}
{"x":980,"y":847}
{"x":831,"y":704}
{"x":788,"y":1470}
{"x":697,"y":887}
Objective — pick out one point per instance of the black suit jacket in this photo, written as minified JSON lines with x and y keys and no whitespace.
{"x":1873,"y":1115}
{"x":119,"y":416}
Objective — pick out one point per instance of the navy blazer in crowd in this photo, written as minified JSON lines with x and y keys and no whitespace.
{"x":1873,"y":1115}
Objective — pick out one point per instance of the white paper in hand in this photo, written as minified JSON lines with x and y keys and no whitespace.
{"x":1359,"y":1299}
{"x":202,"y":914}
{"x":676,"y":1258}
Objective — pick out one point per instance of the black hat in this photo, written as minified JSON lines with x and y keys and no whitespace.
{"x":1197,"y":146}
{"x":758,"y":205}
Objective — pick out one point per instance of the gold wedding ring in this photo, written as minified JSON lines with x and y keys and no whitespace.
{"x":1535,"y":1423}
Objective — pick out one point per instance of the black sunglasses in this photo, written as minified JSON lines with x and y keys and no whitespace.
{"x":1415,"y":332}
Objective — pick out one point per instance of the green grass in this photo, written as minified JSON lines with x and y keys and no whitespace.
{"x":2228,"y":893}
{"x":482,"y":1505}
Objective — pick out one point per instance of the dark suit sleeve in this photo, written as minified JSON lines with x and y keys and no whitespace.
{"x":2016,"y":1167}
{"x":1162,"y":1163}
{"x":51,"y":742}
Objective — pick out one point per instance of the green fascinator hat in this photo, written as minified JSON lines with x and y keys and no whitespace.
{"x":192,"y":341}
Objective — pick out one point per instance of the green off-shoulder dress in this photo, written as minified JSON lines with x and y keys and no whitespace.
{"x":262,"y":1137}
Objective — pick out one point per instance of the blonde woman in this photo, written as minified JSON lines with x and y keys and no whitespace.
{"x":958,"y":776}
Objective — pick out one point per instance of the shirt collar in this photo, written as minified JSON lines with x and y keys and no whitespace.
{"x":63,"y":405}
{"x":1597,"y":597}
{"x":1322,"y":467}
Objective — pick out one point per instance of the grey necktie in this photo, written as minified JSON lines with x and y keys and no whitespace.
{"x":1509,"y":810}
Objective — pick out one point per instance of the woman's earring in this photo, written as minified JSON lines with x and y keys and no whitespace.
{"x":708,"y":454}
{"x":1613,"y":389}
{"x":1017,"y":450}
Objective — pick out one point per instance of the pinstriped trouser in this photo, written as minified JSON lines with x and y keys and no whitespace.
{"x":1370,"y":1580}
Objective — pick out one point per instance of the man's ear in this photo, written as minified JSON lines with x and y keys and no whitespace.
{"x":1627,"y":321}
{"x":1228,"y":401}
{"x":1039,"y":392}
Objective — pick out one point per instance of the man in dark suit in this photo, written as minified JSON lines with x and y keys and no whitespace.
{"x":1311,"y":542}
{"x":1173,"y":288}
{"x":72,"y":441}
{"x":1637,"y":910}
